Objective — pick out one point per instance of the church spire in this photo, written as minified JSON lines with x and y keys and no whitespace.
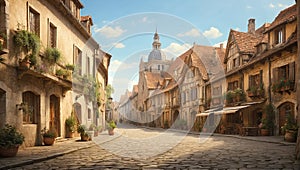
{"x":156,"y":44}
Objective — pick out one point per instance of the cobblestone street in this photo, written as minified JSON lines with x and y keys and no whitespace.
{"x":138,"y":148}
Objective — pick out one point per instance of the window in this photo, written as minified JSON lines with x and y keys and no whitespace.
{"x":53,"y":35}
{"x":279,"y":36}
{"x":77,"y":59}
{"x":162,"y":67}
{"x":236,"y":62}
{"x":88,"y":65}
{"x":89,"y":114}
{"x":34,"y":22}
{"x":286,"y":72}
{"x":233,"y":85}
{"x":194,"y":93}
{"x":255,"y":80}
{"x":31,"y":107}
{"x":217,"y":91}
{"x":158,"y":67}
{"x":183,"y":97}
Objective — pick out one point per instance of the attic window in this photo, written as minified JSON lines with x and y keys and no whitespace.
{"x":279,"y":36}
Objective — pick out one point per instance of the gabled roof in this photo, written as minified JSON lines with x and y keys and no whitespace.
{"x":246,"y":41}
{"x":153,"y":80}
{"x":285,"y":16}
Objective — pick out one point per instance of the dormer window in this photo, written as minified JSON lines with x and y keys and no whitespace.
{"x":279,"y":35}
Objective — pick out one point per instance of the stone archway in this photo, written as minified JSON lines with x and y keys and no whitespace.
{"x":284,"y":110}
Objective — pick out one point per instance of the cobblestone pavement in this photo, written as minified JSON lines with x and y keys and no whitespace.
{"x":139,"y":149}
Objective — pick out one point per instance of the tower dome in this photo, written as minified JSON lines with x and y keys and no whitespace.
{"x":156,"y":53}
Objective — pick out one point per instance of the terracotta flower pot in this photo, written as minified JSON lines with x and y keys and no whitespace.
{"x":48,"y":141}
{"x":9,"y":152}
{"x":84,"y":137}
{"x":265,"y":132}
{"x":290,"y":136}
{"x":111,"y":131}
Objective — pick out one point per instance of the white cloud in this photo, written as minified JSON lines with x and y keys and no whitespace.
{"x":110,"y":32}
{"x":144,"y":19}
{"x":191,"y":33}
{"x":177,"y":49}
{"x":248,"y":7}
{"x":117,"y":65}
{"x":119,"y":45}
{"x":279,"y":5}
{"x":223,"y":42}
{"x":212,"y":33}
{"x":271,"y":5}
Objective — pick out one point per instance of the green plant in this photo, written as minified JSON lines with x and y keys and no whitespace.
{"x":70,"y":67}
{"x":53,"y":55}
{"x":92,"y":127}
{"x":111,"y":125}
{"x":229,"y":96}
{"x":290,"y":124}
{"x":81,"y":129}
{"x":9,"y":136}
{"x":60,"y":72}
{"x":268,"y":121}
{"x":27,"y":41}
{"x":71,"y":123}
{"x":51,"y":133}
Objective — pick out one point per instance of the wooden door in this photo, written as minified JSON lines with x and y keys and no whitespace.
{"x":54,"y":114}
{"x":285,"y":110}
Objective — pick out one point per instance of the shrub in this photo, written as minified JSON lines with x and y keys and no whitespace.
{"x":9,"y":136}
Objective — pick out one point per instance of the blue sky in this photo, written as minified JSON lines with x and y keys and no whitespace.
{"x":125,"y":28}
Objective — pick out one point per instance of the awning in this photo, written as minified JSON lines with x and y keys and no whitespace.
{"x":207,"y":112}
{"x":228,"y":110}
{"x":225,"y":110}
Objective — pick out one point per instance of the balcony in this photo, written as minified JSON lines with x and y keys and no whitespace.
{"x":256,"y":92}
{"x":284,"y":85}
{"x":235,"y":97}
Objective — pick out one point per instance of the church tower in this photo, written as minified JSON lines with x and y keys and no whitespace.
{"x":157,"y":61}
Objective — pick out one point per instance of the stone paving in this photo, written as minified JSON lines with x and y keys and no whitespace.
{"x":140,"y":148}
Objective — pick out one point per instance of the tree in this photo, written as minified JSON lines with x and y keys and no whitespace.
{"x":109,"y":91}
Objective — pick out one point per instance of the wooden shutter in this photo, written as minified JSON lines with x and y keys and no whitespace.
{"x":292,"y":71}
{"x":275,"y":75}
{"x":261,"y":77}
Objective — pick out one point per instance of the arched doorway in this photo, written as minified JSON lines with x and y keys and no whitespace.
{"x":2,"y":107}
{"x":77,"y":108}
{"x":175,"y":116}
{"x":55,"y":114}
{"x":285,"y":110}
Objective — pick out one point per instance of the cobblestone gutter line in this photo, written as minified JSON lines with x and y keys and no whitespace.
{"x":251,"y":138}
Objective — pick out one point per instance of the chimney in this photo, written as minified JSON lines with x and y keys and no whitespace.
{"x":251,"y":26}
{"x":221,"y":45}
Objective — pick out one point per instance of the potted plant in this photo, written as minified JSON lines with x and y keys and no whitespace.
{"x":83,"y":134}
{"x":49,"y":136}
{"x":111,"y":126}
{"x":268,"y":121}
{"x":71,"y":126}
{"x":10,"y":140}
{"x":52,"y":55}
{"x":290,"y":129}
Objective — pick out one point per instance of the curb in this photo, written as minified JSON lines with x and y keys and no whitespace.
{"x":55,"y":155}
{"x":221,"y":135}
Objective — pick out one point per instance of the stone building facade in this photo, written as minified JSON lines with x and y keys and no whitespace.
{"x":257,"y":69}
{"x":45,"y":93}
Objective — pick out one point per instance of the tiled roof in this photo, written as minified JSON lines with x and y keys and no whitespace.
{"x":208,"y":59}
{"x":153,"y":80}
{"x":262,"y":29}
{"x":86,"y":18}
{"x":287,"y":15}
{"x":246,"y":41}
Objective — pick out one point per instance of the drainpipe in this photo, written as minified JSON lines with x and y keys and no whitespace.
{"x":269,"y":88}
